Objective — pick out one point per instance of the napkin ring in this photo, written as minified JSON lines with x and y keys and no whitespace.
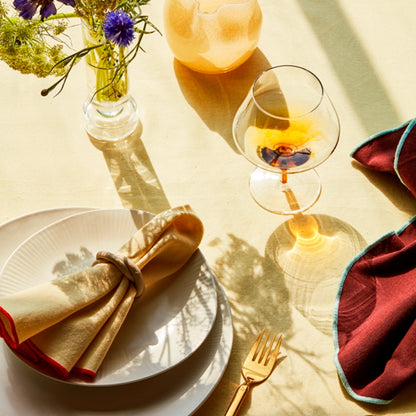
{"x":127,"y":267}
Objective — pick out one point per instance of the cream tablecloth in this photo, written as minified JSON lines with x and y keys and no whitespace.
{"x":364,"y":54}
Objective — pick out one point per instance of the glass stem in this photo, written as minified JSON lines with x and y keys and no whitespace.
{"x":290,"y":196}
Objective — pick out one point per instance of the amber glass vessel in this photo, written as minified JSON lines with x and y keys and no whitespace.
{"x":212,"y":36}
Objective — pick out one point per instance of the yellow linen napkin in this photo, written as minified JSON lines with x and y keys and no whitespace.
{"x":69,"y":323}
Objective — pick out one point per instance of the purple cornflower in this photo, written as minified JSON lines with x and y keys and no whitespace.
{"x":119,"y":28}
{"x":47,"y":7}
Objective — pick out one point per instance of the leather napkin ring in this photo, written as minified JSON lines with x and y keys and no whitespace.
{"x":128,"y":268}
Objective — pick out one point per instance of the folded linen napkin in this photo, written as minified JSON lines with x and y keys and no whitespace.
{"x":67,"y":325}
{"x":375,"y":325}
{"x":375,"y":310}
{"x":392,"y":151}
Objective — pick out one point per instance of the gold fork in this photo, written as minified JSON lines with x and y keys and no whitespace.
{"x":257,"y":367}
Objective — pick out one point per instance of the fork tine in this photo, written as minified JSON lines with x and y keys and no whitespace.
{"x":275,"y":352}
{"x":279,"y":341}
{"x":262,"y":360}
{"x":260,"y":354}
{"x":253,"y":349}
{"x":257,"y":368}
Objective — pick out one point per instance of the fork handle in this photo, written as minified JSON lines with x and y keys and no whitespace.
{"x":238,"y":398}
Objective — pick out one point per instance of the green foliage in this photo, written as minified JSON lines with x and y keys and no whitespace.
{"x":37,"y":46}
{"x":24,"y":46}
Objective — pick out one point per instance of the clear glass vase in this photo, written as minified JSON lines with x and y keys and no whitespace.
{"x":110,"y":112}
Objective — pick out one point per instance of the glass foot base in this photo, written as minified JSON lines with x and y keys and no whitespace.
{"x":299,"y":193}
{"x":111,"y":121}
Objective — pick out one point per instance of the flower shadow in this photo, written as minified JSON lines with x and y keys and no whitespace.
{"x":258,"y":299}
{"x":133,"y":174}
{"x":261,"y":296}
{"x":216,"y":98}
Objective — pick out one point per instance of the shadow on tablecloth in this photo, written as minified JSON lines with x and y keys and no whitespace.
{"x":216,"y":98}
{"x":352,"y":64}
{"x":134,"y":177}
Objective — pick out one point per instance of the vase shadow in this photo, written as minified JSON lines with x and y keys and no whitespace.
{"x":312,"y":251}
{"x":216,"y":98}
{"x":133,"y":174}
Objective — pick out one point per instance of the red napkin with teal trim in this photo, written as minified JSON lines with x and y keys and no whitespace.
{"x":375,"y":327}
{"x":375,"y":309}
{"x":392,"y":151}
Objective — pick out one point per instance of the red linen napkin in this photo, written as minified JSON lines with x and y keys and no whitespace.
{"x":392,"y":151}
{"x":375,"y":309}
{"x":375,"y":326}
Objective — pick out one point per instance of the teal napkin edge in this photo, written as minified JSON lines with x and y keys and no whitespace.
{"x":341,"y":373}
{"x":378,"y":135}
{"x":410,"y":124}
{"x":405,"y":134}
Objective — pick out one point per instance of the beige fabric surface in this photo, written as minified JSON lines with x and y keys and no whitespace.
{"x":364,"y":54}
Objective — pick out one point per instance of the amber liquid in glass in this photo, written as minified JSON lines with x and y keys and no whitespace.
{"x":283,"y":143}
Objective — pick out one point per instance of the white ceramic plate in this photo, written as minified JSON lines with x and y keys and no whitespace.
{"x":163,"y":328}
{"x":177,"y":392}
{"x":15,"y":231}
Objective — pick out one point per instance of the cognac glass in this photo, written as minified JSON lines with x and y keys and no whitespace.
{"x":286,"y":127}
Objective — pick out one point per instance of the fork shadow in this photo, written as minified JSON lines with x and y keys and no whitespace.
{"x":216,"y":98}
{"x":133,"y":174}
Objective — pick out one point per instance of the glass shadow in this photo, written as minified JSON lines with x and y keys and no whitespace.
{"x":312,"y":251}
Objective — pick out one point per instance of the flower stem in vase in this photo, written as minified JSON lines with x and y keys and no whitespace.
{"x":110,"y":111}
